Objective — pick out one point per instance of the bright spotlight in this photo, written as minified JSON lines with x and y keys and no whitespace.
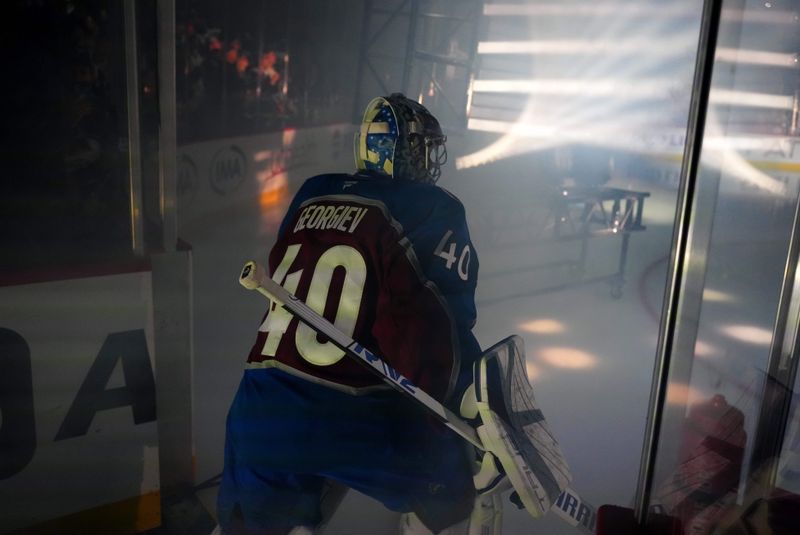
{"x":717,"y":297}
{"x":568,"y":357}
{"x":751,"y":334}
{"x":704,"y":349}
{"x":542,"y":326}
{"x":681,"y":394}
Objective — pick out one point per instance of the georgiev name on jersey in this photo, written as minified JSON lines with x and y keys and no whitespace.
{"x":344,"y":218}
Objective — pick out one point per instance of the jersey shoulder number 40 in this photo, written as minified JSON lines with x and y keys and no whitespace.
{"x":449,"y":251}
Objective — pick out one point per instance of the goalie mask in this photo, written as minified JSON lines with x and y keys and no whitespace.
{"x":400,"y":138}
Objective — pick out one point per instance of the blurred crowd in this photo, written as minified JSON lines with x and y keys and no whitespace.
{"x":229,"y":85}
{"x":241,"y":71}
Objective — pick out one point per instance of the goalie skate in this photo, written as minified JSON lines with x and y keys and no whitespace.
{"x":514,"y":429}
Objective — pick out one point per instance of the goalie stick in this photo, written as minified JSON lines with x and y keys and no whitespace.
{"x":567,"y":506}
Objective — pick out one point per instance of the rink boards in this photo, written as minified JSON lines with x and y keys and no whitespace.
{"x":77,"y":395}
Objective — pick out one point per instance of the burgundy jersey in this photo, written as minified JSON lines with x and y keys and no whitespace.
{"x":390,"y":263}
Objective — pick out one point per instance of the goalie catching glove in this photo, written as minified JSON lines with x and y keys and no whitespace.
{"x":513,"y":430}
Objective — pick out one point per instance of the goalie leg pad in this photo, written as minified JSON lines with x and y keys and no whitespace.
{"x":514,"y":429}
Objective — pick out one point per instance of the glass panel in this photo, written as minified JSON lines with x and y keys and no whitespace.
{"x":65,"y":180}
{"x":746,"y":194}
{"x":577,"y":120}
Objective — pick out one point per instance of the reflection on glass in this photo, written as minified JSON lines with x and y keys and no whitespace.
{"x":705,"y":350}
{"x":747,"y":189}
{"x":705,"y":480}
{"x":750,"y":334}
{"x":577,"y":115}
{"x":710,"y":294}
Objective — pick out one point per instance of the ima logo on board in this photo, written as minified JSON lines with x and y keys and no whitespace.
{"x":228,"y":169}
